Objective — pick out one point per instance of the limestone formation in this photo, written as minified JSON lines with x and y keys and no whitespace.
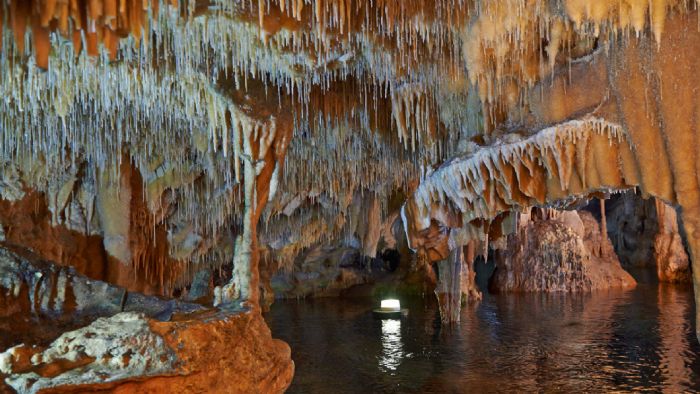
{"x":109,"y":349}
{"x":138,"y":337}
{"x":672,"y":263}
{"x":560,"y":252}
{"x":127,"y":353}
{"x":487,"y":185}
{"x":455,"y":285}
{"x":145,"y":142}
{"x":647,"y":237}
{"x":39,"y":288}
{"x":322,"y":273}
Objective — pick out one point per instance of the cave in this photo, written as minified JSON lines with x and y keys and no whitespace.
{"x":217,"y":195}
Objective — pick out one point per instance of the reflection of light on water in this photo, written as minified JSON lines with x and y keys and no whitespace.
{"x":392,"y":347}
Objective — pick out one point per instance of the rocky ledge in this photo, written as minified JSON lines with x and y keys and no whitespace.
{"x":190,"y":349}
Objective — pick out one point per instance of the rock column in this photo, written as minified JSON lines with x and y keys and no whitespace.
{"x":456,"y":283}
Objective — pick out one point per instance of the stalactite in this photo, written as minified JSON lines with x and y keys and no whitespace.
{"x":412,"y":112}
{"x":456,"y":283}
{"x":603,"y":220}
{"x":102,"y":21}
{"x":498,"y":178}
{"x":113,"y":205}
{"x":448,"y":290}
{"x":98,"y":84}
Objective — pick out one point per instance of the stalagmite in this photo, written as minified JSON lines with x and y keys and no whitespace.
{"x":561,"y":252}
{"x":263,"y":148}
{"x":603,"y":220}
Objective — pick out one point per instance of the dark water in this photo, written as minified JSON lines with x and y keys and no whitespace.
{"x":611,"y":340}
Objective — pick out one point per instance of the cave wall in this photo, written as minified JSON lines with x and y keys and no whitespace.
{"x":98,"y":235}
{"x":434,"y":101}
{"x":647,"y":236}
{"x":632,"y":226}
{"x":615,"y":147}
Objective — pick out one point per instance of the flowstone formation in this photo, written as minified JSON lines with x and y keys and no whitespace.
{"x":558,"y":251}
{"x":233,"y":151}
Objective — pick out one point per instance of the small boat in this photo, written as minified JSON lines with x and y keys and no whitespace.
{"x":390,"y":309}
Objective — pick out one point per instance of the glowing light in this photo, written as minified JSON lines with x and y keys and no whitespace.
{"x":391,"y":305}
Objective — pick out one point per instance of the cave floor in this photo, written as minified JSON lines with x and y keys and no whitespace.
{"x":641,"y":339}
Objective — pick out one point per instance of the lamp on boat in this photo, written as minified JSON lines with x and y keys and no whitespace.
{"x":391,"y":305}
{"x":390,"y":308}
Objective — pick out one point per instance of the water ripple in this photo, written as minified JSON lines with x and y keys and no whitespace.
{"x":640,"y":340}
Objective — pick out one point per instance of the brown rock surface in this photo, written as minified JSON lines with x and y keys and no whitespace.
{"x":672,"y":263}
{"x":546,"y":254}
{"x":182,"y":347}
{"x":214,"y":351}
{"x":646,"y":235}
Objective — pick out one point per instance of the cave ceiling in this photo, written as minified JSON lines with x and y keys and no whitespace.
{"x":343,"y":99}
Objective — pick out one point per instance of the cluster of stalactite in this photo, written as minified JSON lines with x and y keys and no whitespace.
{"x":511,"y":45}
{"x":456,"y":282}
{"x":96,"y":115}
{"x":376,"y":93}
{"x":167,"y":131}
{"x":474,"y":194}
{"x":87,"y":24}
{"x":633,"y":140}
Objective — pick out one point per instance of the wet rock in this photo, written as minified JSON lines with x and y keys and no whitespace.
{"x":110,"y":349}
{"x":322,"y":272}
{"x":31,"y":286}
{"x":547,"y":255}
{"x":456,"y":283}
{"x":646,"y":235}
{"x":200,"y":286}
{"x":672,"y":263}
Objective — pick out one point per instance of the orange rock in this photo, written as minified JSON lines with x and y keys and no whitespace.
{"x":216,"y":353}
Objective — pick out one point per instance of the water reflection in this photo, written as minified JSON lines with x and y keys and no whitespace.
{"x":674,"y":345}
{"x":640,"y":340}
{"x":392,"y":347}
